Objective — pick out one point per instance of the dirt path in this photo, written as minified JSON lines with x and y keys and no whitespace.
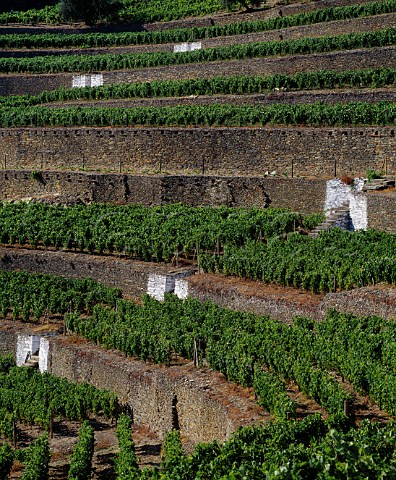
{"x":147,"y":444}
{"x":363,"y":408}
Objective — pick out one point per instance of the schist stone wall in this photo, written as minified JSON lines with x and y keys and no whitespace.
{"x":298,"y":194}
{"x":290,"y":152}
{"x":13,"y":84}
{"x":205,"y":408}
{"x":381,"y":208}
{"x":130,"y":275}
{"x":190,"y":22}
{"x":152,"y":391}
{"x":364,"y":24}
{"x":8,"y":340}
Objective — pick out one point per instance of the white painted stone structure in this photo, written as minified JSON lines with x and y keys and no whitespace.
{"x":28,"y":345}
{"x":187,"y":47}
{"x":80,"y":81}
{"x":358,"y":211}
{"x":338,"y":194}
{"x":158,"y":285}
{"x":181,"y":288}
{"x":97,"y":80}
{"x":43,"y":355}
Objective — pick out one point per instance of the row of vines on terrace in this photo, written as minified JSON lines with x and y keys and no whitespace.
{"x":315,"y":115}
{"x":187,"y":34}
{"x":324,"y":79}
{"x":108,"y":62}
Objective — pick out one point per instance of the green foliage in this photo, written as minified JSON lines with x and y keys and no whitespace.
{"x":237,"y":4}
{"x":174,"y":458}
{"x":46,"y":294}
{"x":6,"y":362}
{"x":272,"y":395}
{"x":28,"y":396}
{"x":310,"y":448}
{"x":187,"y":34}
{"x":34,"y":175}
{"x":323,"y":79}
{"x":362,"y":350}
{"x":126,"y":463}
{"x":316,"y":114}
{"x":6,"y":460}
{"x":234,"y":343}
{"x":81,"y":460}
{"x":37,"y":461}
{"x":335,"y":260}
{"x":165,"y":10}
{"x":136,"y":11}
{"x":372,"y":174}
{"x":48,"y":14}
{"x":239,"y":344}
{"x":146,"y":233}
{"x":91,"y":11}
{"x":108,"y":62}
{"x":160,"y":10}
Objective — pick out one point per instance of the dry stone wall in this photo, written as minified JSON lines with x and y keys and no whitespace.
{"x":250,"y":296}
{"x":290,"y":152}
{"x":344,"y":60}
{"x":32,"y":84}
{"x":8,"y":340}
{"x":282,"y":97}
{"x":218,"y":19}
{"x":339,"y":61}
{"x":286,"y":303}
{"x":131,"y":276}
{"x":365,"y":24}
{"x":206,"y":406}
{"x":203,"y":414}
{"x":381,"y":209}
{"x":378,"y":300}
{"x":297,"y":194}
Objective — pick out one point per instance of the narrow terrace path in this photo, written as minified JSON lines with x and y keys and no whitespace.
{"x":325,"y":96}
{"x":362,"y":406}
{"x":305,"y":405}
{"x":219,"y":19}
{"x":361,"y":25}
{"x":13,"y":84}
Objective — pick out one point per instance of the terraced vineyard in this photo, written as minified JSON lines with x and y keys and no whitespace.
{"x":187,"y":138}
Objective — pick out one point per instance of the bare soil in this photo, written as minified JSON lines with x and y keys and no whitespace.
{"x":251,"y":288}
{"x":147,"y":444}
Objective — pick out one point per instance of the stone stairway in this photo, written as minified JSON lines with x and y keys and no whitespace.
{"x":378,"y":184}
{"x":338,"y":218}
{"x":32,"y":362}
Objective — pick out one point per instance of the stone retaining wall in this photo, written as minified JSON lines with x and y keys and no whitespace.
{"x":8,"y":340}
{"x":130,"y":275}
{"x":297,"y":194}
{"x":13,"y":84}
{"x":250,"y":296}
{"x":326,"y":96}
{"x":340,"y":27}
{"x":289,"y":152}
{"x":381,"y":209}
{"x":206,"y":406}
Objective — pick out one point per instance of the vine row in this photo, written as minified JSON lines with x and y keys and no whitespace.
{"x":315,"y":114}
{"x":86,"y":40}
{"x":324,"y":79}
{"x":109,"y":62}
{"x":146,"y":233}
